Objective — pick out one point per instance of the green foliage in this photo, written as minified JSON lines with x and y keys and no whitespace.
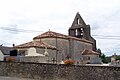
{"x":118,"y":58}
{"x":102,"y":56}
{"x":99,"y":51}
{"x":108,"y":59}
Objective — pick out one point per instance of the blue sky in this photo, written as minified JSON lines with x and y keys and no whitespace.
{"x":21,"y":20}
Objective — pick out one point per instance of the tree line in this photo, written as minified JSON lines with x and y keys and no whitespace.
{"x":106,"y":59}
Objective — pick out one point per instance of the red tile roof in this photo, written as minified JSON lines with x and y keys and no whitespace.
{"x":51,"y":34}
{"x":89,"y":52}
{"x":58,"y":35}
{"x":35,"y":44}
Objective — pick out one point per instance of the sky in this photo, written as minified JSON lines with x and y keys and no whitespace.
{"x":21,"y":20}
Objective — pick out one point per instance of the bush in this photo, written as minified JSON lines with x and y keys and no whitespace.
{"x":10,"y":59}
{"x":68,"y":62}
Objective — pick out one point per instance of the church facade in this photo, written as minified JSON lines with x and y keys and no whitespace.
{"x":60,"y":46}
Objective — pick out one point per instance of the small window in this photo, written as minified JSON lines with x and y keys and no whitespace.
{"x":78,"y":21}
{"x":77,"y":62}
{"x":82,"y":31}
{"x":88,"y":58}
{"x":76,"y":32}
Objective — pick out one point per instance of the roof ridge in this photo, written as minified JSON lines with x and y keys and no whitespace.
{"x":89,"y":52}
{"x":55,"y":34}
{"x":35,"y":44}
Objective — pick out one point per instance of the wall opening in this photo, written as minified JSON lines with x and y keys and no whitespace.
{"x":78,"y":21}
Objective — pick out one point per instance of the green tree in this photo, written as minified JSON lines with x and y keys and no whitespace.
{"x":99,"y":51}
{"x":108,"y":59}
{"x":102,"y":56}
{"x":118,"y":58}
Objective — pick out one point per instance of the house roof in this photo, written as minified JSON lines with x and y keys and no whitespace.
{"x":89,"y":52}
{"x":6,"y":50}
{"x":58,"y":35}
{"x":35,"y":44}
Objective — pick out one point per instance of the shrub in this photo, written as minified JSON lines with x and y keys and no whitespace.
{"x":68,"y":62}
{"x":10,"y":59}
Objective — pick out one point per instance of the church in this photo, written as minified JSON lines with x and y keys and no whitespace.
{"x":55,"y":47}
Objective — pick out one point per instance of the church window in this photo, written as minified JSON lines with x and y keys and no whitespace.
{"x":78,"y":21}
{"x":76,"y":32}
{"x":82,"y":29}
{"x":81,"y":32}
{"x":88,"y":58}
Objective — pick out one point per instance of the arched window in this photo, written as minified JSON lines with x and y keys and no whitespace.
{"x":76,"y":32}
{"x":78,"y":21}
{"x":81,"y":32}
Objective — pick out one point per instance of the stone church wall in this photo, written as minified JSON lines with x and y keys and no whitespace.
{"x":42,"y":71}
{"x":62,"y":46}
{"x":78,"y":47}
{"x":68,"y":46}
{"x":51,"y":52}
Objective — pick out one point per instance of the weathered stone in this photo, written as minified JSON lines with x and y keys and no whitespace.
{"x":40,"y":71}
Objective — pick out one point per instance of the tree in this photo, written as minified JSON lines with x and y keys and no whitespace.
{"x":102,"y":56}
{"x":99,"y":51}
{"x":118,"y":58}
{"x":108,"y":59}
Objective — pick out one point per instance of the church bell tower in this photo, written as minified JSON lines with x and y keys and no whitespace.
{"x":79,"y":29}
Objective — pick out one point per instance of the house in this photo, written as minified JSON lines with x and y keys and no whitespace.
{"x":4,"y":51}
{"x":114,"y":61}
{"x":90,"y":56}
{"x":60,"y":46}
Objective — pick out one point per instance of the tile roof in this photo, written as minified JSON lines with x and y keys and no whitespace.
{"x":51,"y":34}
{"x":58,"y":35}
{"x":35,"y":44}
{"x":89,"y":52}
{"x":5,"y":50}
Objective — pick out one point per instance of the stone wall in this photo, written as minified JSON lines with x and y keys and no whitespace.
{"x":68,"y":46}
{"x":78,"y":48}
{"x":40,"y":71}
{"x":37,"y":59}
{"x":62,"y":46}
